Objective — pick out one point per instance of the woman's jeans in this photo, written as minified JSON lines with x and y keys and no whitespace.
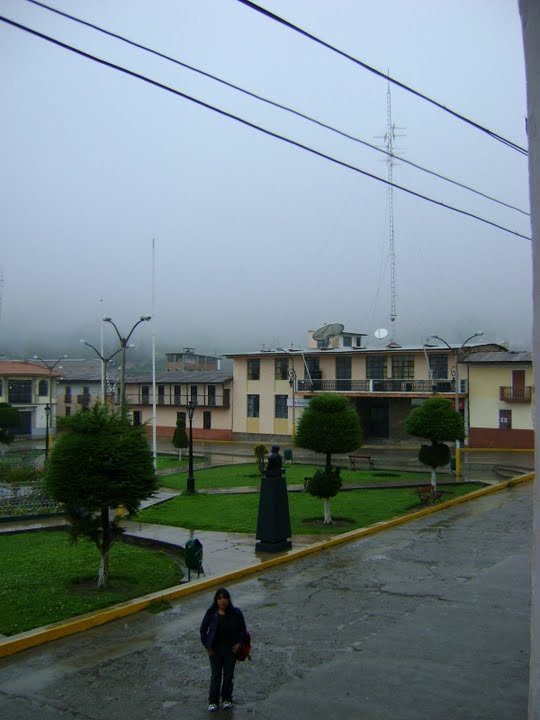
{"x":222,"y":665}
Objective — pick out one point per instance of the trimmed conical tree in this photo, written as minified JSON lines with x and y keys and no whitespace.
{"x":328,"y":425}
{"x":180,"y":438}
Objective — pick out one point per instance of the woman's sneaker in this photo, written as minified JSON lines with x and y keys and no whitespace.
{"x":212,"y":707}
{"x":227,"y":704}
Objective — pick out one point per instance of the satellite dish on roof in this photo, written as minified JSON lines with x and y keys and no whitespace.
{"x":381,"y":333}
{"x":328,"y":331}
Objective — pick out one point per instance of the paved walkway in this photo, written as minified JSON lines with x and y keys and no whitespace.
{"x":426,"y":621}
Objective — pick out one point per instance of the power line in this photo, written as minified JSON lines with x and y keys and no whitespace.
{"x":302,"y":115}
{"x":251,"y":125}
{"x":417,"y":93}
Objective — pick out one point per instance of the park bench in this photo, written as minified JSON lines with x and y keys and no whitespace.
{"x":355,"y":457}
{"x":428,"y":494}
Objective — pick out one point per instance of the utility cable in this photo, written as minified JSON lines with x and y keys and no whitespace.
{"x":344,"y":134}
{"x":388,"y":78}
{"x":251,"y":125}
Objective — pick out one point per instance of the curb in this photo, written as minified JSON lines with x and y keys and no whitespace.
{"x":64,"y":628}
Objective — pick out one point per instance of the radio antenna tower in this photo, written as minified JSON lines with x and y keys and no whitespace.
{"x":389,"y":140}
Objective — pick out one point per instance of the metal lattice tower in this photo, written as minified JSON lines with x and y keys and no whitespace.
{"x":389,"y":139}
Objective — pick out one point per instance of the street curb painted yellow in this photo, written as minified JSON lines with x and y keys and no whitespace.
{"x":54,"y":631}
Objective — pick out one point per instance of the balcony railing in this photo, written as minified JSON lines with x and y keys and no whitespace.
{"x":25,"y":398}
{"x":387,"y":385}
{"x":179,"y":400}
{"x":516,"y":394}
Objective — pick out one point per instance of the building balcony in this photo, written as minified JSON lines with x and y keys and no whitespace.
{"x":516,"y":394}
{"x":179,"y":401}
{"x":21,"y":398}
{"x":376,"y":387}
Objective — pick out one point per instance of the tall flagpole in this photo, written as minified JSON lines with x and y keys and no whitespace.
{"x":154,"y":437}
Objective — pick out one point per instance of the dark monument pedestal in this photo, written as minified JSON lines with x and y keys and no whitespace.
{"x":273,"y":521}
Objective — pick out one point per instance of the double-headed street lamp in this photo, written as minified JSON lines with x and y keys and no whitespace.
{"x":49,"y":415}
{"x":190,"y":484}
{"x":123,"y":345}
{"x":456,"y":352}
{"x":104,"y":362}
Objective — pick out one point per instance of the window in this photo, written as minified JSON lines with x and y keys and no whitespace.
{"x":343,"y":367}
{"x":280,"y":406}
{"x":68,"y":411}
{"x":193,"y":394}
{"x":145,"y":394}
{"x":211,"y":395}
{"x":402,"y":366}
{"x":282,"y":368}
{"x":254,"y":369}
{"x":313,"y":364}
{"x":137,"y":417}
{"x":67,"y":396}
{"x":177,"y":392}
{"x":439,"y":366}
{"x":505,"y":419}
{"x":20,"y":391}
{"x":207,"y":420}
{"x":43,"y":388}
{"x":181,"y":416}
{"x":253,"y":406}
{"x":347,"y":341}
{"x":376,"y":367}
{"x":161,"y":394}
{"x":343,"y":373}
{"x":358,"y":341}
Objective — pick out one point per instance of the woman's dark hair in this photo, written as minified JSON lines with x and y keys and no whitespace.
{"x":222,"y":592}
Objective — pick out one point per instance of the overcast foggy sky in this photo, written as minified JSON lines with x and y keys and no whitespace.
{"x":258,"y":241}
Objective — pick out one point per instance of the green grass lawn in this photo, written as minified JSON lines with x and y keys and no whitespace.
{"x":44,"y":578}
{"x":167,"y":462}
{"x":238,"y":513}
{"x":246,"y":475}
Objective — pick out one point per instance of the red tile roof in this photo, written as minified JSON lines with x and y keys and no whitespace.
{"x":21,"y":367}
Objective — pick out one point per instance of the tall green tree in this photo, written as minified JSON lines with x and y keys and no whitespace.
{"x":437,"y":421}
{"x":328,"y":425}
{"x":9,"y":422}
{"x":180,"y":438}
{"x":100,"y":462}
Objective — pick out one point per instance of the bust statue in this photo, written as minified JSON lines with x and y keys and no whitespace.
{"x":273,"y":467}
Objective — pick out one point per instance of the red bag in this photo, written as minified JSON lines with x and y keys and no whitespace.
{"x":244,"y":651}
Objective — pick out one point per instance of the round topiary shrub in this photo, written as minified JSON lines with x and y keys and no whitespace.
{"x":435,"y":455}
{"x":324,"y":484}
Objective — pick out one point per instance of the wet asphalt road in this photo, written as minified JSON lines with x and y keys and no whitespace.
{"x":429,"y":620}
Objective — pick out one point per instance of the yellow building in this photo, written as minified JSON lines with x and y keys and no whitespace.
{"x":271,"y":386}
{"x":501,"y":399}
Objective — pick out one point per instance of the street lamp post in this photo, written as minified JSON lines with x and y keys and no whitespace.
{"x":104,"y":362}
{"x":190,"y":485}
{"x":49,"y":414}
{"x":456,"y":352}
{"x":123,"y":345}
{"x":292,"y":384}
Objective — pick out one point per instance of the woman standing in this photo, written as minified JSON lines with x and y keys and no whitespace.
{"x":222,"y":633}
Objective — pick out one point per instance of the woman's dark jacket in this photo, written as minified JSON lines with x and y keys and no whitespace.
{"x":209,"y":626}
